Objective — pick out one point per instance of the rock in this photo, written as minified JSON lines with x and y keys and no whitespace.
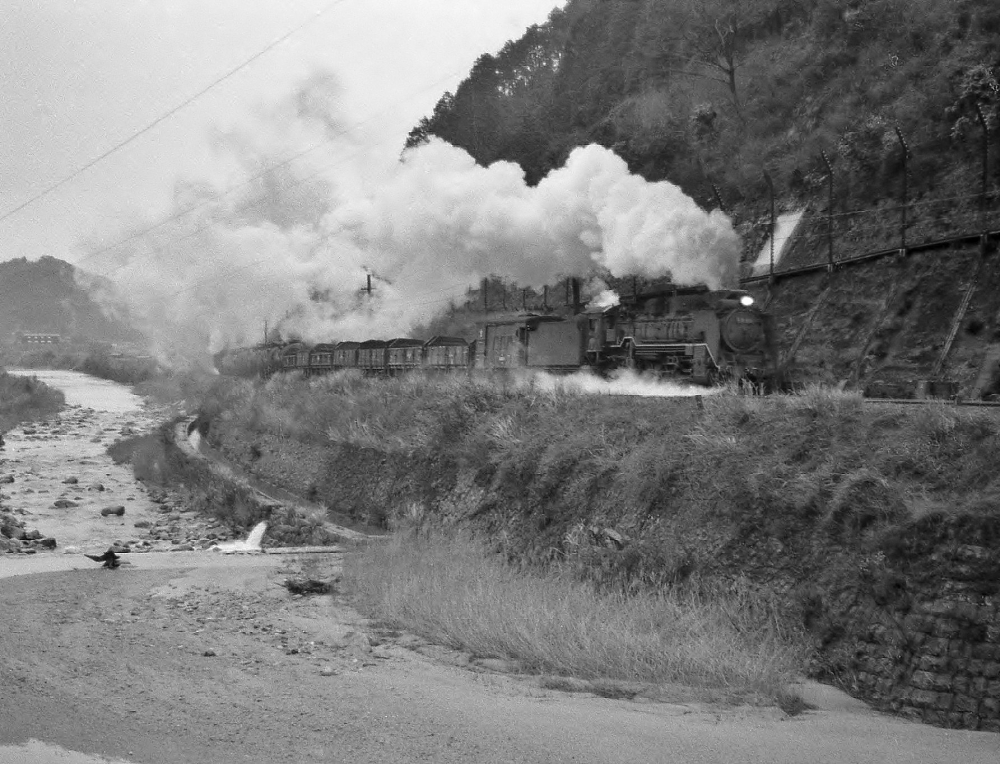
{"x":209,"y":653}
{"x":7,"y":479}
{"x":118,"y":510}
{"x":356,"y":641}
{"x":29,"y":431}
{"x":10,"y":526}
{"x":142,"y":524}
{"x":71,"y":550}
{"x":96,"y":487}
{"x":328,"y":671}
{"x":47,"y":543}
{"x":71,"y":481}
{"x":32,"y":535}
{"x":64,"y":504}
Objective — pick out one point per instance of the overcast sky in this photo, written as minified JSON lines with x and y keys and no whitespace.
{"x":78,"y":77}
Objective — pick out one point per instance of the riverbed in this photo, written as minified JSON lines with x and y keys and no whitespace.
{"x":58,"y":476}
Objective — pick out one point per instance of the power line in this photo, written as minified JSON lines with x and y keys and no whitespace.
{"x":169,"y":113}
{"x":271,"y":168}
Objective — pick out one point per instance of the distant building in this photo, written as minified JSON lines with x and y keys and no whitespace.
{"x":40,"y":338}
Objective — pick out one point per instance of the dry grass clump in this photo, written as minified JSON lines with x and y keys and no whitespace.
{"x":23,"y":399}
{"x":450,"y":589}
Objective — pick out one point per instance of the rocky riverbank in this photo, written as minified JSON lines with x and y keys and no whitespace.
{"x":60,"y":492}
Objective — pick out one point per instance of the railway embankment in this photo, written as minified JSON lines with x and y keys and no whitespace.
{"x":875,"y":525}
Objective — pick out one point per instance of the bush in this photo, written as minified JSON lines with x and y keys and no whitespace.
{"x":23,"y":399}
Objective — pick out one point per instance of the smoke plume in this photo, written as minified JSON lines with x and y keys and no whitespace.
{"x":293,"y":246}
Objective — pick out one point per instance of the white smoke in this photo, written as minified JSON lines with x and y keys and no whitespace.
{"x":621,"y":382}
{"x":293,"y":246}
{"x":606,"y":298}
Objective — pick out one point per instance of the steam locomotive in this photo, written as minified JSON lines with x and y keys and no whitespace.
{"x":691,"y":333}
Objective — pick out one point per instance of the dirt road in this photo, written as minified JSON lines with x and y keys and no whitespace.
{"x":215,"y":660}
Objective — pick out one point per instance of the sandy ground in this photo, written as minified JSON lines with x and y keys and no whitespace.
{"x":213,"y":659}
{"x":198,"y":656}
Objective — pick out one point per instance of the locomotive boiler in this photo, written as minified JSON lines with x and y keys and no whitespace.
{"x":690,"y":332}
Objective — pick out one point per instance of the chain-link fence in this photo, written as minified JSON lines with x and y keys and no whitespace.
{"x":821,"y":238}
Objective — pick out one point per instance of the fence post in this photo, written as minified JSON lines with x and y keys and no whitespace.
{"x":902,"y":224}
{"x":829,"y":212}
{"x":770,"y":188}
{"x":718,"y":198}
{"x":984,"y":206}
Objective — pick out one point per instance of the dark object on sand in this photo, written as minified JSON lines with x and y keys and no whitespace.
{"x":109,"y":558}
{"x":308,"y":586}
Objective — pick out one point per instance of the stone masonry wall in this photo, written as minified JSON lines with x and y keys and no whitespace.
{"x":919,"y":634}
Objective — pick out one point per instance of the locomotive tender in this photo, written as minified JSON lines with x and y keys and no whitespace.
{"x":690,"y":333}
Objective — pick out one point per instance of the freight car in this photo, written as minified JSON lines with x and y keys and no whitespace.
{"x":372,"y":357}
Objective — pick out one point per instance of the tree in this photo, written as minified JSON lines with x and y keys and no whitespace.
{"x":716,"y":35}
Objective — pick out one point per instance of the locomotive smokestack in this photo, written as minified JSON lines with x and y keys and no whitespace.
{"x":576,"y":295}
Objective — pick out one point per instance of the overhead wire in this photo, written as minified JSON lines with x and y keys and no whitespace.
{"x":168,"y":114}
{"x":249,"y":204}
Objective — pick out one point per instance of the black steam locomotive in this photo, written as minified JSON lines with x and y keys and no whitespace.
{"x":691,"y":333}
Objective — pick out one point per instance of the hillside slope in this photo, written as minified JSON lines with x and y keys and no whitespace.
{"x":46,"y":296}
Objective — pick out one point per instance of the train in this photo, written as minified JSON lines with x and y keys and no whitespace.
{"x":695,"y":334}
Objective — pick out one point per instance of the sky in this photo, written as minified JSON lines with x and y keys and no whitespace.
{"x":77,"y":77}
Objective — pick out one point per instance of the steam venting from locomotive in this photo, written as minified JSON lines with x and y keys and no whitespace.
{"x":294,"y":246}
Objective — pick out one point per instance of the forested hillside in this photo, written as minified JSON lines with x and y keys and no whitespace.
{"x":716,"y":92}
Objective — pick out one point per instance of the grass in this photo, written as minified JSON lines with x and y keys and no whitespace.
{"x":24,"y":399}
{"x":450,"y":589}
{"x":819,"y":456}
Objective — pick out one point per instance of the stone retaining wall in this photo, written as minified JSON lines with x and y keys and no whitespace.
{"x":921,"y":630}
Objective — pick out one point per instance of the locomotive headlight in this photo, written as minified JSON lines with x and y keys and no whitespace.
{"x":746,"y":301}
